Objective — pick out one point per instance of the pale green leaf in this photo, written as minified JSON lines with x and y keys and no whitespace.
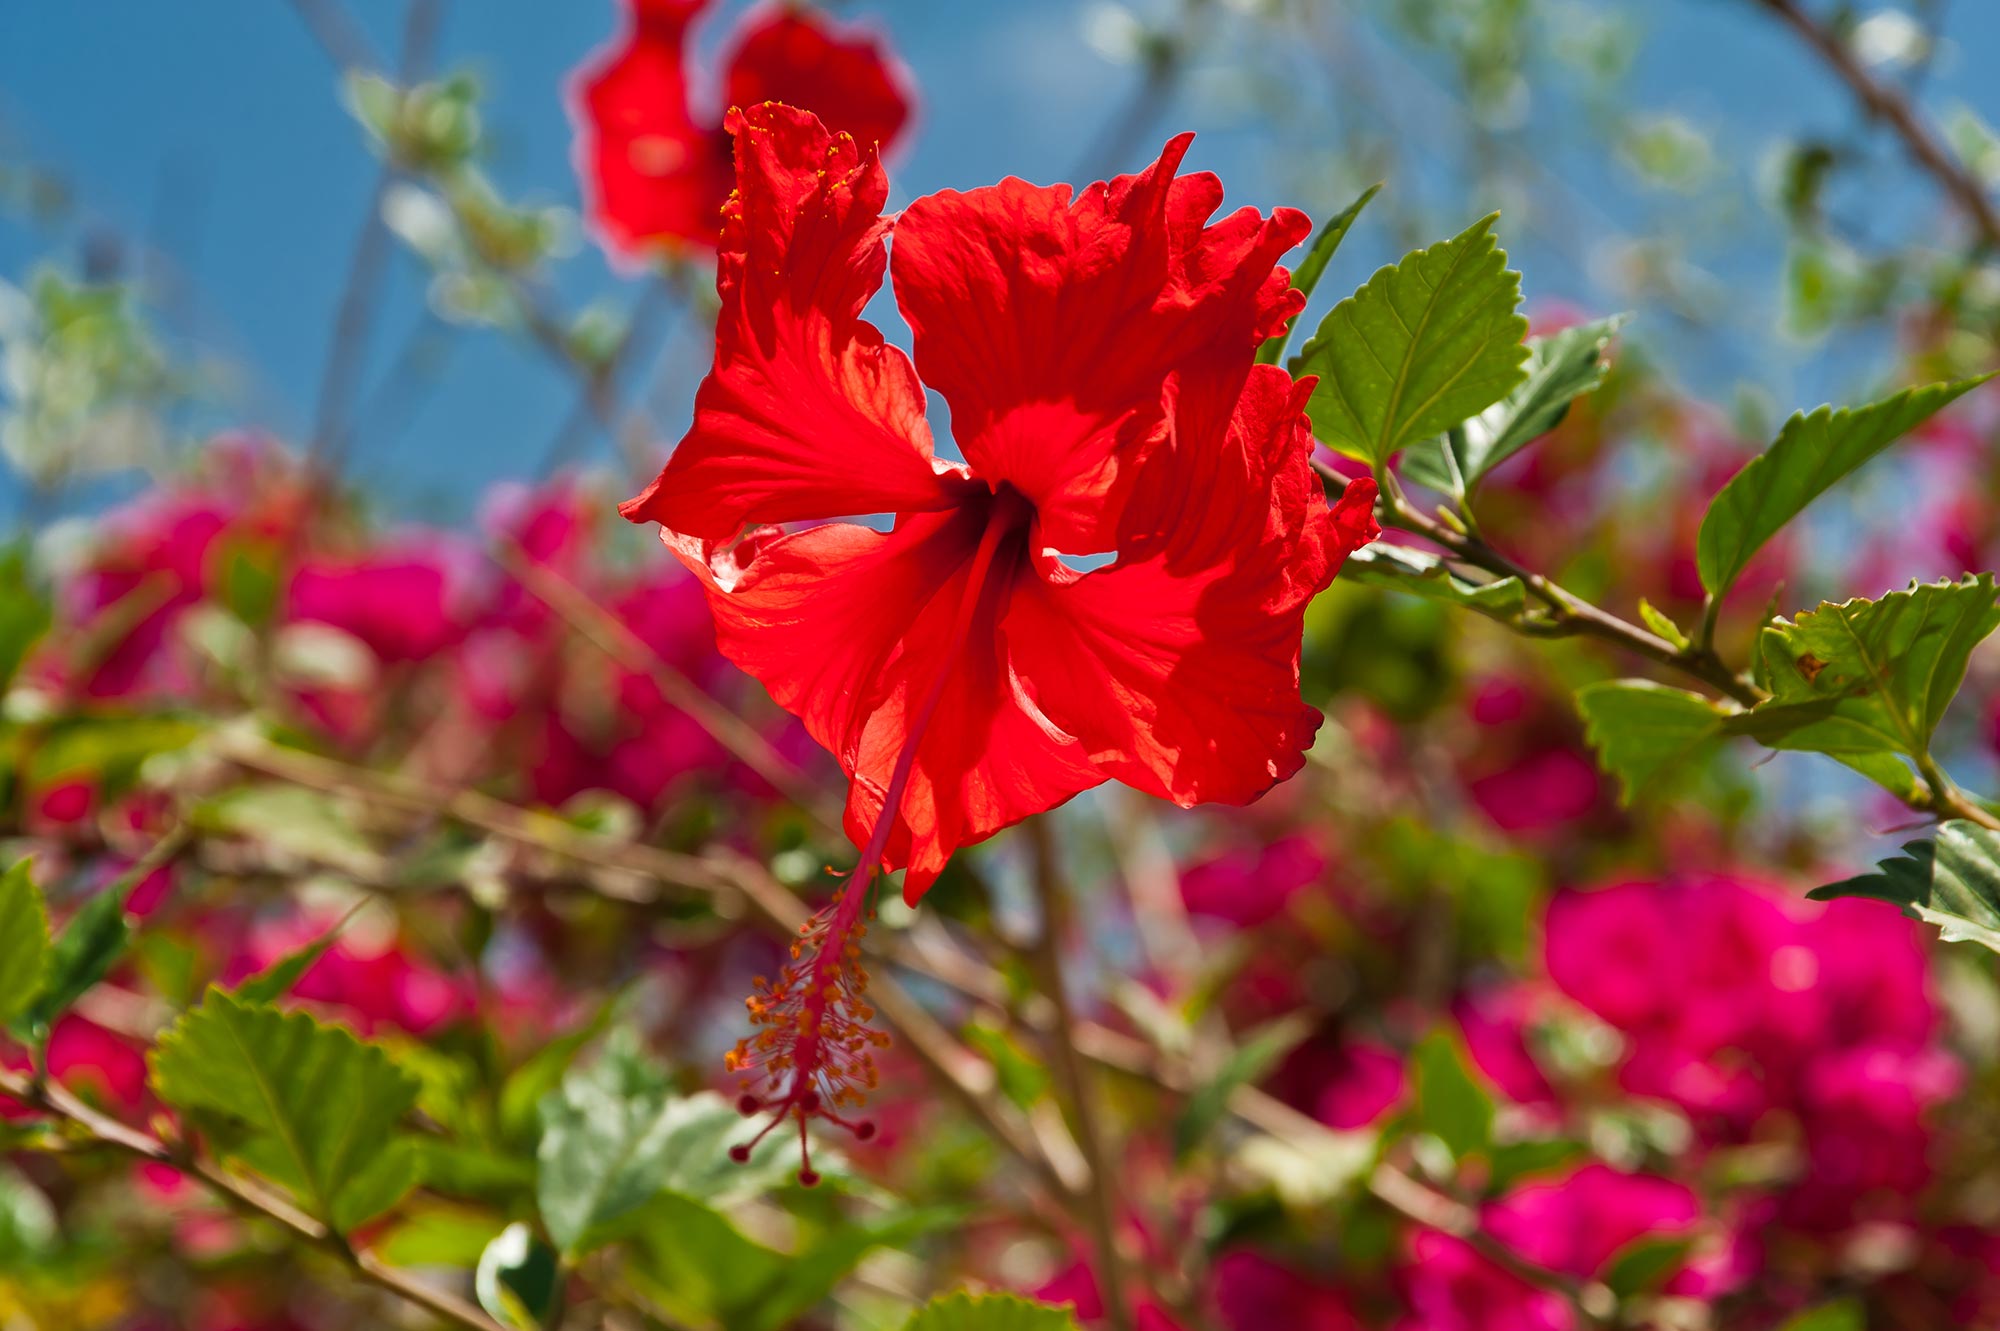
{"x":1419,"y":573}
{"x":24,"y":940}
{"x":1846,"y":1315}
{"x":295,"y":821}
{"x":1658,"y":621}
{"x":990,"y":1312}
{"x":1951,"y":880}
{"x":518,"y":1280}
{"x":1561,"y":368}
{"x":1246,"y":1065}
{"x":1306,"y":276}
{"x":614,"y":1135}
{"x":1812,"y":453}
{"x":1642,"y":730}
{"x":1427,"y":343}
{"x":317,"y":1104}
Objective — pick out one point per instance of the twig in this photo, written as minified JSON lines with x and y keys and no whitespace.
{"x":355,"y":318}
{"x":245,"y":1194}
{"x":1099,"y":1207}
{"x":1888,"y":104}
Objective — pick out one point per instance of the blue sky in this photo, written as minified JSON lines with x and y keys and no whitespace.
{"x":210,"y":128}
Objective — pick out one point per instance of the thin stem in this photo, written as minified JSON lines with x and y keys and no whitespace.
{"x":1888,"y":104}
{"x":244,"y":1194}
{"x":1100,"y":1208}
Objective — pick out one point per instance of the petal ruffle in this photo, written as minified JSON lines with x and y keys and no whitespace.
{"x":650,"y":172}
{"x":806,"y":414}
{"x":1049,"y":324}
{"x":1178,"y":666}
{"x":846,"y":77}
{"x":849,"y":628}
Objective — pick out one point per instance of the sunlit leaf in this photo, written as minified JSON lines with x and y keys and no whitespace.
{"x":1866,"y":680}
{"x":519,"y":1279}
{"x":1561,"y":368}
{"x":1419,"y":573}
{"x":1642,"y":730}
{"x":24,"y":940}
{"x":990,"y":1312}
{"x":1306,"y":276}
{"x":1450,"y":1102}
{"x":1951,"y":880}
{"x":318,"y":1104}
{"x":1811,"y":454}
{"x":1427,"y":343}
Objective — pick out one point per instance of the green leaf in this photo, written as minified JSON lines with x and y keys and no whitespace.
{"x":1646,"y":1263}
{"x":1658,"y":621}
{"x":519,"y":1279}
{"x":277,"y":979}
{"x":1419,"y":573}
{"x":614,"y":1135}
{"x":1561,"y":368}
{"x":1812,"y":453}
{"x":317,"y":1103}
{"x":1845,"y":1315}
{"x":1246,"y":1065}
{"x":1306,"y":276}
{"x":1451,"y":1104}
{"x":24,"y":940}
{"x":1425,"y":344}
{"x":291,"y":819}
{"x":1865,"y":679}
{"x":990,"y":1312}
{"x":84,"y":952}
{"x":24,"y":614}
{"x":1951,"y":881}
{"x":1642,"y":730}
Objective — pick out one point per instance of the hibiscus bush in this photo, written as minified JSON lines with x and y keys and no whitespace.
{"x":1108,"y":769}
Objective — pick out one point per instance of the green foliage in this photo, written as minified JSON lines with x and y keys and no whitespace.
{"x":315,"y":1105}
{"x":1951,"y":880}
{"x":1868,"y":681}
{"x":92,"y":941}
{"x":1642,"y":730}
{"x":1306,"y":276}
{"x":518,"y":1279}
{"x":1810,"y":455}
{"x":1450,"y":1103}
{"x":24,"y":940}
{"x":1425,"y":344}
{"x":1561,"y":368}
{"x":614,"y":1135}
{"x":1644,"y":1264}
{"x":1419,"y":573}
{"x":307,"y":824}
{"x":25,"y":614}
{"x":1846,"y":1315}
{"x":1249,"y":1063}
{"x":990,"y":1312}
{"x":276,"y":980}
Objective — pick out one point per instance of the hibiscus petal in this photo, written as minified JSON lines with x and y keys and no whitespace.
{"x":1049,"y":324}
{"x":806,"y":414}
{"x":1178,"y":666}
{"x":849,"y":628}
{"x":845,"y":77}
{"x":649,"y":171}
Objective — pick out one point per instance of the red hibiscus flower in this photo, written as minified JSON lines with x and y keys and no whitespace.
{"x":656,"y":171}
{"x":1096,"y":352}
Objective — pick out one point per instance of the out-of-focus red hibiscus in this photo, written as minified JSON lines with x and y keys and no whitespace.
{"x":89,"y":1060}
{"x":656,"y":170}
{"x":1576,"y":1225}
{"x":1254,"y":1293}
